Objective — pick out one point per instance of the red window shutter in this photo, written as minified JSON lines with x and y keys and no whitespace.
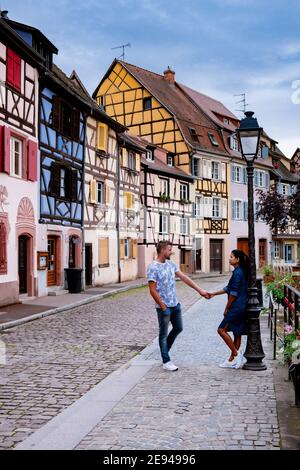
{"x":10,"y":66}
{"x":1,"y":149}
{"x":17,"y":72}
{"x":32,"y":160}
{"x":6,"y":150}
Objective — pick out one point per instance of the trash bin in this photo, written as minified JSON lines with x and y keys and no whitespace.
{"x":74,"y":280}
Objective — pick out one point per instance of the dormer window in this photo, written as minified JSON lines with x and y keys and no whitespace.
{"x":147,"y":103}
{"x":213,"y":139}
{"x":193,"y":134}
{"x":170,"y":160}
{"x":226,"y":121}
{"x":149,"y":155}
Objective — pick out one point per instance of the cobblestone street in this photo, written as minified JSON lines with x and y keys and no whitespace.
{"x":199,"y":407}
{"x":52,"y":362}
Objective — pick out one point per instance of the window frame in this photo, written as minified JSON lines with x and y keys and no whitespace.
{"x":185,"y":225}
{"x":193,"y":134}
{"x":186,"y":186}
{"x":213,"y":140}
{"x":98,"y":185}
{"x":147,"y":99}
{"x":13,"y":140}
{"x":215,"y":166}
{"x":214,"y":216}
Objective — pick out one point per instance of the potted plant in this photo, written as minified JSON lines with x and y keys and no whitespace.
{"x":277,"y":288}
{"x":268,"y":275}
{"x":163,"y":197}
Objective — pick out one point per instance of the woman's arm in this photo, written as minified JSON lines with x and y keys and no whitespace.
{"x":230,"y":301}
{"x":219,"y":292}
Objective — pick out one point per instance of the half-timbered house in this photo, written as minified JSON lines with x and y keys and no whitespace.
{"x":154,"y":106}
{"x":19,"y":89}
{"x":167,"y":211}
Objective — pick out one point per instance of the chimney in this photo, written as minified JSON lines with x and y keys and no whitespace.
{"x":169,"y":75}
{"x":4,"y":14}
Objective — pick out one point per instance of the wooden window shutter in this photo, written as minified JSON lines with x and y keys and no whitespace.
{"x":124,"y":156}
{"x":126,"y":200}
{"x":138,"y":162}
{"x":32,"y":160}
{"x":103,"y":252}
{"x":76,"y":124}
{"x":134,"y":249}
{"x":122,"y":254}
{"x":132,"y":201}
{"x":56,"y":112}
{"x":223,"y":170}
{"x":102,"y":136}
{"x":107,"y":194}
{"x":6,"y":150}
{"x":55,"y":179}
{"x":17,"y":72}
{"x":74,"y":180}
{"x":93,"y":190}
{"x":10,"y":67}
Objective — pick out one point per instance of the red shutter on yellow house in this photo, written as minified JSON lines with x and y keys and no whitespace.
{"x":32,"y":160}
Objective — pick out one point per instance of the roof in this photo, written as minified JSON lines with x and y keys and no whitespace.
{"x":161,"y":167}
{"x":284,"y":173}
{"x":213,"y":108}
{"x":25,"y":27}
{"x":187,"y":114}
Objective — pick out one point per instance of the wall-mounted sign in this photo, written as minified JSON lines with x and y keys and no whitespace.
{"x":42,"y":260}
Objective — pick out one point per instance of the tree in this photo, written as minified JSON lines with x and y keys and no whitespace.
{"x":273,"y":209}
{"x":294,"y":209}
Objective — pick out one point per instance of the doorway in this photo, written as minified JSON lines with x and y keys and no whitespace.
{"x":52,"y":261}
{"x":198,"y":254}
{"x":216,"y":255}
{"x":23,"y":264}
{"x":243,"y":245}
{"x":88,"y":264}
{"x":262,"y":253}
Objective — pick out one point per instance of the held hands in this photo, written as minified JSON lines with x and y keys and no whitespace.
{"x":206,"y":294}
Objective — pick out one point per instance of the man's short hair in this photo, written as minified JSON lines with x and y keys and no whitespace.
{"x":162,"y":244}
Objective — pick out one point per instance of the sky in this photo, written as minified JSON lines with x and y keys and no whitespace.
{"x":219,"y":47}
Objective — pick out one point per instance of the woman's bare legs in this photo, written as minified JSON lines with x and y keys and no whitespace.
{"x":228,"y":340}
{"x":237,"y":342}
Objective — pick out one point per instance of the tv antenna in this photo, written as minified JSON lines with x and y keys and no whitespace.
{"x":123,"y":49}
{"x":243,"y":101}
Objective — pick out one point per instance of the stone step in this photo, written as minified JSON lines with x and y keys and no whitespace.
{"x":58,"y":292}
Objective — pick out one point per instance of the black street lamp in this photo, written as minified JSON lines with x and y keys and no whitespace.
{"x":249,"y":134}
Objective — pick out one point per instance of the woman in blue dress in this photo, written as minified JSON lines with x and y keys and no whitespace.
{"x":235,"y":319}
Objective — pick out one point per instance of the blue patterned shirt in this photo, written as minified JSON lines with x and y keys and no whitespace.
{"x":164,"y":276}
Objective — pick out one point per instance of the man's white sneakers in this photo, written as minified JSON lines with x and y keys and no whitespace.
{"x":170,"y":366}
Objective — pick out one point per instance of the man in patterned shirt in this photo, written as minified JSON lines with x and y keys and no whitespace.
{"x":161,"y":280}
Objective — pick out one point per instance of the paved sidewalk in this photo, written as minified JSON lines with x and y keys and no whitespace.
{"x":32,"y":309}
{"x":141,"y":406}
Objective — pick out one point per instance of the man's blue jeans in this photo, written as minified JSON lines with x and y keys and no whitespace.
{"x":173,"y":315}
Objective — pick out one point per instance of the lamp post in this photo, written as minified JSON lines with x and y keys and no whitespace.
{"x":249,"y":134}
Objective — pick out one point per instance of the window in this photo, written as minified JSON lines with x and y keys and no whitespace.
{"x":183,"y":226}
{"x":131,"y":160}
{"x":215,"y":171}
{"x":100,"y":192}
{"x":213,"y":139}
{"x":16,"y":156}
{"x":170,"y":160}
{"x":237,"y":212}
{"x":225,"y":120}
{"x":62,"y":177}
{"x":183,"y":192}
{"x":13,"y":69}
{"x":163,"y":223}
{"x":65,"y":118}
{"x":126,"y":248}
{"x":164,"y":187}
{"x":147,"y":103}
{"x":216,"y":208}
{"x":149,"y":155}
{"x":194,"y":134}
{"x":102,"y":101}
{"x":234,"y":145}
{"x":260,"y":178}
{"x":285,"y":189}
{"x":288,"y":253}
{"x":257,"y":208}
{"x":196,"y":167}
{"x":198,"y":206}
{"x":276,"y":249}
{"x":237,"y":174}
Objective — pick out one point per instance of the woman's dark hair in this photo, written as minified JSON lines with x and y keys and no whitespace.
{"x":244,"y":261}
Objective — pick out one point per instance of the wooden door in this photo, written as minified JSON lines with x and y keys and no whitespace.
{"x":262,"y":253}
{"x":88,"y":264}
{"x":216,"y":255}
{"x":52,"y":261}
{"x":198,"y":260}
{"x":23,"y":265}
{"x":243,"y":245}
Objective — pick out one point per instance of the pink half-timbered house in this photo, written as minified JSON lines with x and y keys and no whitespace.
{"x":19,"y":78}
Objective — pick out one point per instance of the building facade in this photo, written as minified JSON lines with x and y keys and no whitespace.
{"x":19,"y":89}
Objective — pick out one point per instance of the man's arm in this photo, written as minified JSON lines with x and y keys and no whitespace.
{"x":155,"y":295}
{"x":192,"y":284}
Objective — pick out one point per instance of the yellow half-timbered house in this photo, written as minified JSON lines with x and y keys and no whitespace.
{"x":156,"y":107}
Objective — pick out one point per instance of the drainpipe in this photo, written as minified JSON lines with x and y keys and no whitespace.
{"x":118,"y":212}
{"x":145,"y":205}
{"x":83,"y":205}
